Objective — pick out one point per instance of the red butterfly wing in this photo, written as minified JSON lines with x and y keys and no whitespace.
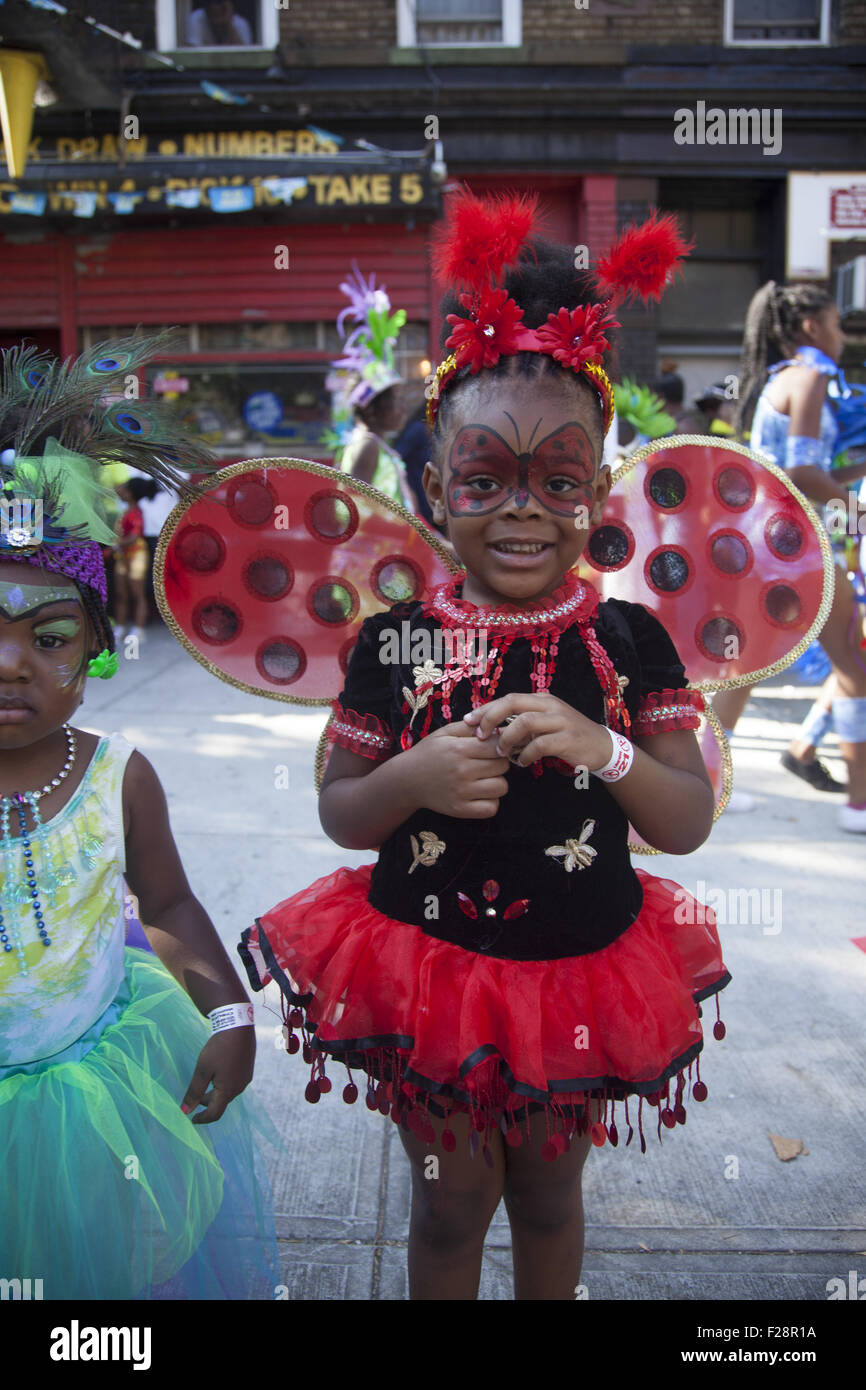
{"x":267,"y":579}
{"x":717,"y":542}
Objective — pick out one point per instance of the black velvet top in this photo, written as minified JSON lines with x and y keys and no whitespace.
{"x":435,"y":870}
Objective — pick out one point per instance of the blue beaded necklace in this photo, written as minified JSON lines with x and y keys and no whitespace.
{"x":25,"y":893}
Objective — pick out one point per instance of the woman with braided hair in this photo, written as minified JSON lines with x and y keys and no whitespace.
{"x":785,"y":403}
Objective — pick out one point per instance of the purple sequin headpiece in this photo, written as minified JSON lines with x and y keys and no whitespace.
{"x":83,"y":563}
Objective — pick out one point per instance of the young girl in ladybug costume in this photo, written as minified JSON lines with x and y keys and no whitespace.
{"x":513,"y":989}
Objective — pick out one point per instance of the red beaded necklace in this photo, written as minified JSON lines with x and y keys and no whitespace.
{"x":570,"y":602}
{"x":573,"y":602}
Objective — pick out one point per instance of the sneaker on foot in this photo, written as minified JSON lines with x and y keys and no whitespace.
{"x":853,"y":820}
{"x":814,"y":772}
{"x":740,"y":802}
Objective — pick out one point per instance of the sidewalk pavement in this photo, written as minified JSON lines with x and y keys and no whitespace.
{"x":711,"y":1212}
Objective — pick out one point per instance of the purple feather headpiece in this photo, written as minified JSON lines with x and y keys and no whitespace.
{"x":82,"y":563}
{"x":368,"y":351}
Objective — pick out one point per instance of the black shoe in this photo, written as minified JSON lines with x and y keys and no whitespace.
{"x":815,"y":773}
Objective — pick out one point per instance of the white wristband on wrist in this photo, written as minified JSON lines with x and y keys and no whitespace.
{"x":231,"y":1016}
{"x":621,"y":761}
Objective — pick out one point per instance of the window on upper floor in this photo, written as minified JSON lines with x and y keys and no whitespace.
{"x":777,"y":23}
{"x":216,"y":25}
{"x":458,"y":23}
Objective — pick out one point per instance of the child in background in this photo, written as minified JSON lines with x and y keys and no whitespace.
{"x":131,"y":560}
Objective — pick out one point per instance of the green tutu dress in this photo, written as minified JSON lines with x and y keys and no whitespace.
{"x":110,"y":1191}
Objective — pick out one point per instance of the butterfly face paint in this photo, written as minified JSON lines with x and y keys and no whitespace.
{"x":486,"y":473}
{"x":520,"y":467}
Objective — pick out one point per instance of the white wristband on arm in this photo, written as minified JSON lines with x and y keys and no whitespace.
{"x":231,"y":1016}
{"x":621,"y":761}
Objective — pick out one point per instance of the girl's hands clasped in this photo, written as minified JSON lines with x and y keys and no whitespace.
{"x":227,"y":1060}
{"x":456,"y":774}
{"x":542,"y":727}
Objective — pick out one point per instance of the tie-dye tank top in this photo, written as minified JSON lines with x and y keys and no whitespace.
{"x":79,"y":857}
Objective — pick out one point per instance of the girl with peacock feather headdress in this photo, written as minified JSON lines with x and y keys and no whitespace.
{"x":102,"y":1054}
{"x":56,"y":434}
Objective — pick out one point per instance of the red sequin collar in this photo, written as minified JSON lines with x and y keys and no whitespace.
{"x":573,"y":601}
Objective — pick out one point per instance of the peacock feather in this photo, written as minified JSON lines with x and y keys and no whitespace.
{"x":88,"y":404}
{"x":74,"y":503}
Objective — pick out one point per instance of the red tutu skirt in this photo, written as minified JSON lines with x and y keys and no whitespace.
{"x":436,"y":1028}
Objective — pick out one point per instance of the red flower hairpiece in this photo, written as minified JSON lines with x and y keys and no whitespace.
{"x":574,"y":337}
{"x":643,"y":259}
{"x":482,"y":236}
{"x":481,"y":340}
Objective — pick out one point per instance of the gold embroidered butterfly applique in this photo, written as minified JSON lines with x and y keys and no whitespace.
{"x":575,"y":854}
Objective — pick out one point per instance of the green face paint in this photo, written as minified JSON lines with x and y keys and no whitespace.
{"x":69,"y":652}
{"x":65,"y":628}
{"x":19,"y":600}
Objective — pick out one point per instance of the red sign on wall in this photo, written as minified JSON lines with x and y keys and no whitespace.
{"x":848,"y":207}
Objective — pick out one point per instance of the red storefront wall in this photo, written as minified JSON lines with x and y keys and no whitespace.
{"x":56,"y":285}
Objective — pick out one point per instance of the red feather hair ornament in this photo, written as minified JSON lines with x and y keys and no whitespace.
{"x":480,"y":237}
{"x":515,"y":216}
{"x":643,"y":259}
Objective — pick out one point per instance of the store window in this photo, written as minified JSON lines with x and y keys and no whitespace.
{"x":458,"y":23}
{"x":214,"y":25}
{"x":277,"y":402}
{"x":777,"y":23}
{"x":711,"y":296}
{"x":249,"y":410}
{"x":259,"y":337}
{"x":710,"y":299}
{"x":700,"y":319}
